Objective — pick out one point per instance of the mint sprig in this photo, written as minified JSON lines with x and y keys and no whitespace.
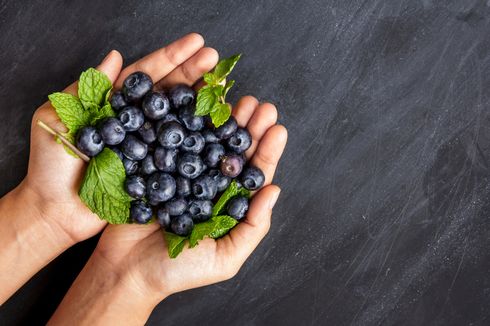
{"x":216,"y":227}
{"x":211,"y":99}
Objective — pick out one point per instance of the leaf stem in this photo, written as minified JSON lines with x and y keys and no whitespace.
{"x":63,"y":140}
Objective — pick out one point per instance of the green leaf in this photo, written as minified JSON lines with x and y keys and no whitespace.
{"x":70,"y":111}
{"x":229,"y":84}
{"x":223,"y":224}
{"x":102,"y":188}
{"x":200,"y":231}
{"x":220,"y":114}
{"x":93,"y":89}
{"x":175,"y":244}
{"x":104,"y":112}
{"x":206,"y":100}
{"x":209,"y":78}
{"x":224,"y":67}
{"x":228,"y":194}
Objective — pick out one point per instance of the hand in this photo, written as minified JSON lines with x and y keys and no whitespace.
{"x":130,"y":268}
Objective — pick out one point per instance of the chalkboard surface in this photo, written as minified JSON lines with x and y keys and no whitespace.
{"x":384,"y":217}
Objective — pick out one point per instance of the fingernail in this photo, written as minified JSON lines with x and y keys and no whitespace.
{"x":273,"y":200}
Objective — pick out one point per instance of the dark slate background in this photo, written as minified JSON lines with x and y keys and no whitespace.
{"x":384,"y":214}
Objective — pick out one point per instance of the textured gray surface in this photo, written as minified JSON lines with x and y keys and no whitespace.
{"x":384,"y":214}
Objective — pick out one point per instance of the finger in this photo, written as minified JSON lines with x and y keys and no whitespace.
{"x":111,"y":66}
{"x":246,"y":236}
{"x":161,"y":62}
{"x":264,"y":117}
{"x":244,"y":110}
{"x":269,"y":151}
{"x":191,"y":70}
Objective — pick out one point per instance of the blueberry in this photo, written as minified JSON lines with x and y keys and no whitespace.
{"x":227,"y":129}
{"x":133,"y":148}
{"x":212,"y":154}
{"x":252,"y":178}
{"x":136,"y":186}
{"x":148,"y":165}
{"x":163,"y":217}
{"x":200,"y":210}
{"x":190,"y":120}
{"x":89,"y":141}
{"x":147,"y":132}
{"x":237,"y":207}
{"x":222,"y":181}
{"x":171,"y":134}
{"x":131,"y":117}
{"x":136,"y":85}
{"x":155,"y":105}
{"x":140,"y":212}
{"x":165,"y":159}
{"x":193,"y":143}
{"x":204,"y":187}
{"x":118,"y":101}
{"x":240,"y":141}
{"x":118,"y":152}
{"x":182,"y":224}
{"x":190,"y":166}
{"x":130,"y":166}
{"x":181,"y":95}
{"x":209,"y":136}
{"x":160,"y":187}
{"x":169,"y":117}
{"x":183,"y":186}
{"x":232,"y":165}
{"x":176,"y":206}
{"x":112,"y":131}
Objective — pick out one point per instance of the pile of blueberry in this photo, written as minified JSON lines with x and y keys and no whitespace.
{"x":176,"y":162}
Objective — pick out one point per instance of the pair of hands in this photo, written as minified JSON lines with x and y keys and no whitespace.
{"x":137,"y":254}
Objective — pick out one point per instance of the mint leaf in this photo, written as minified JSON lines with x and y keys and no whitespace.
{"x":229,"y":84}
{"x":220,"y":114}
{"x":206,"y":100}
{"x":70,"y":111}
{"x":102,"y":188}
{"x":209,"y":78}
{"x":224,"y":67}
{"x":223,"y":224}
{"x":104,"y":112}
{"x":93,"y":89}
{"x":175,"y":244}
{"x":228,"y":194}
{"x":200,"y":231}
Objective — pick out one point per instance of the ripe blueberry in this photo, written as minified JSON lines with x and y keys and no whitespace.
{"x":200,"y":210}
{"x":148,"y":165}
{"x":163,"y":217}
{"x":169,"y":117}
{"x":89,"y":141}
{"x":176,"y":206}
{"x":133,"y":148}
{"x":181,"y":95}
{"x":155,"y":105}
{"x":182,"y":224}
{"x":240,"y":141}
{"x":183,"y":186}
{"x":190,"y":166}
{"x":165,"y":159}
{"x":232,"y":165}
{"x":130,"y":166}
{"x":204,"y":187}
{"x":112,"y":131}
{"x":193,"y":143}
{"x":136,"y":85}
{"x":118,"y":101}
{"x":237,"y":207}
{"x":222,"y":181}
{"x":147,"y":132}
{"x":140,"y":212}
{"x":160,"y":187}
{"x":227,"y":129}
{"x":252,"y":178}
{"x":190,"y":120}
{"x":131,"y":117}
{"x":209,"y":136}
{"x":212,"y":154}
{"x":118,"y":152}
{"x":171,"y":134}
{"x":136,"y":186}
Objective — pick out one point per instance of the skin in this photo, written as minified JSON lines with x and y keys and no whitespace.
{"x":129,"y":272}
